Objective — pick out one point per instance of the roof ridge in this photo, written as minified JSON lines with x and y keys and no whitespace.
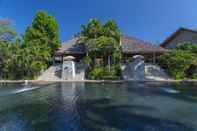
{"x":143,"y":41}
{"x":174,"y":34}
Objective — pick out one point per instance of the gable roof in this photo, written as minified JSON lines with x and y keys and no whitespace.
{"x":129,"y":45}
{"x":175,"y":34}
{"x":132,"y":45}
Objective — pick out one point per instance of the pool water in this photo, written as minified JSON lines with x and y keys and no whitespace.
{"x":132,"y":106}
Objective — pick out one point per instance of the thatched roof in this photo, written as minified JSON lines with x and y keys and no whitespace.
{"x":132,"y":45}
{"x":71,"y":47}
{"x":129,"y":45}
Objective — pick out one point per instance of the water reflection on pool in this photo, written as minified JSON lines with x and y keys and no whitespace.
{"x":128,"y":106}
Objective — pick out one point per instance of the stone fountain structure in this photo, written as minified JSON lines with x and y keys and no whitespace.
{"x":138,"y":68}
{"x":68,"y":68}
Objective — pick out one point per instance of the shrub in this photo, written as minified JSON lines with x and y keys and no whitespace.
{"x":96,"y":73}
{"x":178,"y":62}
{"x":103,"y":73}
{"x":188,"y":47}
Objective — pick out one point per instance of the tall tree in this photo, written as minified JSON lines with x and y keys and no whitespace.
{"x":25,"y":58}
{"x":93,"y":29}
{"x":44,"y":28}
{"x":102,"y":41}
{"x":111,"y":30}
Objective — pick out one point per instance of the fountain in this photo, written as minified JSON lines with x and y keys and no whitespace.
{"x":68,"y":68}
{"x":138,"y":68}
{"x":134,"y":70}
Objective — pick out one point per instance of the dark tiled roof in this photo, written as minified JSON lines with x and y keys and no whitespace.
{"x":132,"y":45}
{"x":129,"y":45}
{"x":174,"y":35}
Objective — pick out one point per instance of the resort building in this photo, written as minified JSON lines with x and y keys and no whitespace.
{"x":180,"y":36}
{"x":70,"y":48}
{"x":130,"y":46}
{"x":138,"y":61}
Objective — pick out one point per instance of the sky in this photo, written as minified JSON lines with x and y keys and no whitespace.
{"x":149,"y":20}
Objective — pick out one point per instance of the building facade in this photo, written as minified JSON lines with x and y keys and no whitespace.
{"x":180,"y":36}
{"x":130,"y":46}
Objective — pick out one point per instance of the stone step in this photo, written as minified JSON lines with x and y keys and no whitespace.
{"x":51,"y":73}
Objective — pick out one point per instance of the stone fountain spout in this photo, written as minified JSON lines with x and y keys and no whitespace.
{"x":68,"y":68}
{"x":138,"y":68}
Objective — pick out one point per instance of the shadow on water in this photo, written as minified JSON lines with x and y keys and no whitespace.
{"x":181,"y":91}
{"x":100,"y":115}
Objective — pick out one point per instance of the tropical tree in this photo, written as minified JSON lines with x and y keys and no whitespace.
{"x":41,"y":40}
{"x":181,"y":62}
{"x":93,"y":29}
{"x":26,"y":57}
{"x":44,"y":29}
{"x":101,"y":41}
{"x":112,"y":30}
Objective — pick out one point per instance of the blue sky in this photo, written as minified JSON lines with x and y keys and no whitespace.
{"x":150,"y":20}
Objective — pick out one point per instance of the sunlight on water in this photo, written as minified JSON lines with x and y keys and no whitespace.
{"x":17,"y":91}
{"x":168,"y":90}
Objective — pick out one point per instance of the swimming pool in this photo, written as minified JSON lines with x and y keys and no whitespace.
{"x":129,"y":106}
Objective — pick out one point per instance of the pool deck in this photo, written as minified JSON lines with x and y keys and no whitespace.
{"x":92,"y":81}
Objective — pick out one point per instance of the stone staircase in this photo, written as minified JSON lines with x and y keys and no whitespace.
{"x":53,"y":73}
{"x":155,"y":72}
{"x":152,"y":72}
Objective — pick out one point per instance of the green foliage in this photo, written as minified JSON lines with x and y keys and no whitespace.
{"x":101,"y":41}
{"x":181,"y":62}
{"x":102,"y":73}
{"x":18,"y":62}
{"x":96,"y":73}
{"x":91,"y":30}
{"x":44,"y":29}
{"x":25,"y":58}
{"x":188,"y":46}
{"x":87,"y":60}
{"x":112,"y":30}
